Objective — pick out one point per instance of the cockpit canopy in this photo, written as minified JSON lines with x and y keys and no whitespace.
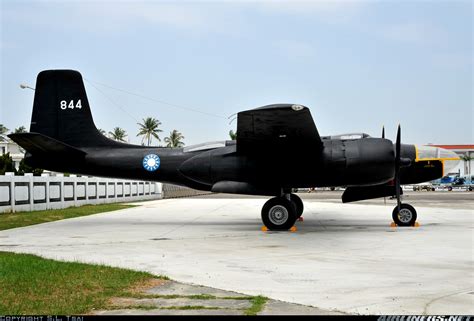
{"x":208,"y":145}
{"x":349,"y":136}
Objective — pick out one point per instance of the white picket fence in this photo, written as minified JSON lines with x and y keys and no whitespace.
{"x":33,"y":193}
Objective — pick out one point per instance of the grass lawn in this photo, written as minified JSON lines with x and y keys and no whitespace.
{"x":33,"y":285}
{"x":19,"y":219}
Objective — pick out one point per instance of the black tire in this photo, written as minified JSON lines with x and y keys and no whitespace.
{"x":298,"y":204}
{"x":279,"y":214}
{"x":407,"y":215}
{"x":450,"y":188}
{"x":470,"y":189}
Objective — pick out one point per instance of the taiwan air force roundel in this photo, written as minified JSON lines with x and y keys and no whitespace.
{"x":151,"y":162}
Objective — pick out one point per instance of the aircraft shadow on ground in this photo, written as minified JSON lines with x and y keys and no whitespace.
{"x":309,"y":225}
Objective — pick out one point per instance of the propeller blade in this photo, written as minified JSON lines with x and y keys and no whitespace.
{"x":383,"y":131}
{"x":397,"y":166}
{"x":398,"y":144}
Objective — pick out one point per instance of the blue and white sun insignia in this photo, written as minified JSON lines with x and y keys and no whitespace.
{"x":151,"y":162}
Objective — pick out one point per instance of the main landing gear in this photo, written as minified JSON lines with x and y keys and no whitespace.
{"x":280,"y":213}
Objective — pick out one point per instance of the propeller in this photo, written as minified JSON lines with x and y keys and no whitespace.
{"x":397,"y":165}
{"x":383,"y":131}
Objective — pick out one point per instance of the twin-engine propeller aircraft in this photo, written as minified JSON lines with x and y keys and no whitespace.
{"x":278,"y":148}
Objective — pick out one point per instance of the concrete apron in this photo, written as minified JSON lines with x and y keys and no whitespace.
{"x":343,"y":257}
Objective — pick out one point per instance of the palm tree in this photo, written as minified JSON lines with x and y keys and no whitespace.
{"x":118,"y":134}
{"x":3,"y":129}
{"x":175,"y":139}
{"x":149,"y":129}
{"x":20,"y":129}
{"x":103,"y":132}
{"x":233,"y":135}
{"x":467,"y":161}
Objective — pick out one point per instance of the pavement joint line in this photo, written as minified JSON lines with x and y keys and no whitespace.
{"x":178,"y":296}
{"x":257,"y":303}
{"x":153,"y":307}
{"x":425,"y":310}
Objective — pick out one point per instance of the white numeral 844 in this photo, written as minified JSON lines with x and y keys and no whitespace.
{"x":71,"y":104}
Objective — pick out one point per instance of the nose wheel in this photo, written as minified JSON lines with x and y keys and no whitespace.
{"x":406,"y":216}
{"x":280,"y":213}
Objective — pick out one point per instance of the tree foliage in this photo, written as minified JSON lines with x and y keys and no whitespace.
{"x":232,"y":135}
{"x":118,"y":134}
{"x":24,"y":168}
{"x":149,"y":129}
{"x":6,"y":164}
{"x":20,"y":130}
{"x":175,"y":139}
{"x":3,"y":129}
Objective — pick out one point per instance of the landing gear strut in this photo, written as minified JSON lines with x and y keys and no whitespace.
{"x":298,"y":203}
{"x":280,"y":213}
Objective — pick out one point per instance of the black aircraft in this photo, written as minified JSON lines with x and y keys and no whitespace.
{"x":278,"y":148}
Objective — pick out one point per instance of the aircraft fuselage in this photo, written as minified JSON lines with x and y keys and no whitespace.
{"x":359,"y":162}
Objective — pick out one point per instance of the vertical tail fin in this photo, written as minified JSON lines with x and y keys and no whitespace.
{"x":61,"y":110}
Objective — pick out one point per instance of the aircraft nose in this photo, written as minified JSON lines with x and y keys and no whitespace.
{"x":431,"y":153}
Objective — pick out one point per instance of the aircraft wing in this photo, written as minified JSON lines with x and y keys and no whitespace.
{"x":280,"y":127}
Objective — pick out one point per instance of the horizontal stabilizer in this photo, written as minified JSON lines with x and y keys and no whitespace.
{"x":35,"y":143}
{"x":359,"y":193}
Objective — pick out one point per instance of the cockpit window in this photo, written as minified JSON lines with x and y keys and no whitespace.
{"x":430,"y":152}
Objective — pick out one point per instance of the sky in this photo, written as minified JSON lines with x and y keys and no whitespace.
{"x":358,"y":65}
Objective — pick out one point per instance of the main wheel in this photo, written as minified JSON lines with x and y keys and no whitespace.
{"x":406,"y":216}
{"x":279,"y":213}
{"x":298,"y":204}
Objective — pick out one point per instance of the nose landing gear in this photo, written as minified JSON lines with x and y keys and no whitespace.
{"x":280,"y":213}
{"x":405,"y":216}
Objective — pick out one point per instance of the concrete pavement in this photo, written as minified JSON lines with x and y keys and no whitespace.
{"x":344,"y":257}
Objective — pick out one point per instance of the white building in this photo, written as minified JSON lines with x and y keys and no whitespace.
{"x":466,"y":152}
{"x":8,"y":146}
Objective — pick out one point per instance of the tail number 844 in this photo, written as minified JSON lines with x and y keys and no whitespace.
{"x":71,"y":104}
